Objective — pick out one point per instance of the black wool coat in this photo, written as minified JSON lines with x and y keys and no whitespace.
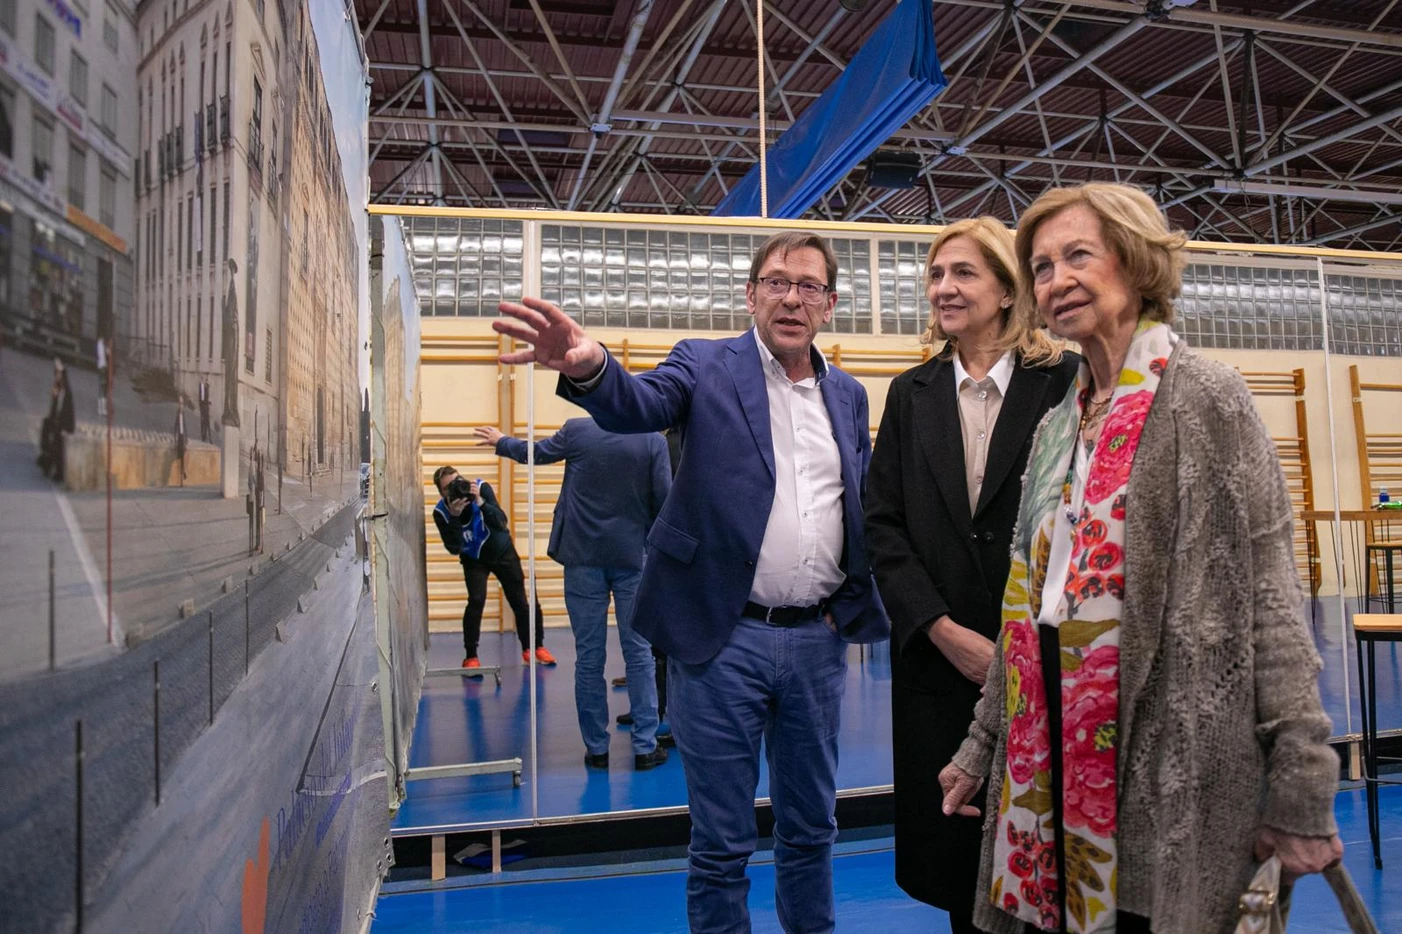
{"x":932,"y":558}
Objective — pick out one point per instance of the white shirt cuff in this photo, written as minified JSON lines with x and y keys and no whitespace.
{"x":592,"y":383}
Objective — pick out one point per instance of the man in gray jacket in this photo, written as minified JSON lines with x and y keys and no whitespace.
{"x":614,"y":487}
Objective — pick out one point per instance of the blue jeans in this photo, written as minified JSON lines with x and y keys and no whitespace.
{"x":587,"y":592}
{"x":785,"y":685}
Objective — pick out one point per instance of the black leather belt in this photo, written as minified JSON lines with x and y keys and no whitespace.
{"x":783,"y":615}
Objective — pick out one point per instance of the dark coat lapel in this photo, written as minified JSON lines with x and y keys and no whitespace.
{"x":935,"y":408}
{"x":1017,"y":419}
{"x":839,"y":406}
{"x":747,"y":372}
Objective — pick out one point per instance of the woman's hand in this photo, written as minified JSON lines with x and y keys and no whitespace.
{"x":966,"y":650}
{"x":1299,"y":856}
{"x":959,"y":788}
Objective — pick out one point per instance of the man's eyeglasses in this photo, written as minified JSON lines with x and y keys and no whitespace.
{"x":810,"y":293}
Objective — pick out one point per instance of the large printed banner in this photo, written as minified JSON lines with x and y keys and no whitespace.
{"x":189,"y":694}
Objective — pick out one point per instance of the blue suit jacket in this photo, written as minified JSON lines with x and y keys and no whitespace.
{"x":703,"y":547}
{"x":613,"y":489}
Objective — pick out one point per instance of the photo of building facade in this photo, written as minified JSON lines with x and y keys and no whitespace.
{"x":67,"y":149}
{"x":245,"y":227}
{"x":179,"y":316}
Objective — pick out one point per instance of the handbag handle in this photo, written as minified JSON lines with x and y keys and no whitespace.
{"x":1263,"y":909}
{"x":1355,"y":912}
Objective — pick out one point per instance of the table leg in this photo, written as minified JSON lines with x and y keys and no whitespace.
{"x":1359,"y":649}
{"x":1391,"y":597}
{"x":1374,"y":818}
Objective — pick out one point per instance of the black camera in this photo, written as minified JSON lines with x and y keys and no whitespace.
{"x":460,"y":488}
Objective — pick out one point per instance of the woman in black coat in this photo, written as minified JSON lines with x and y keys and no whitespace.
{"x":942,"y":498}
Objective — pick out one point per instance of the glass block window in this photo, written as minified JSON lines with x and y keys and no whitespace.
{"x":673,"y":279}
{"x":464,"y":266}
{"x":853,"y":312}
{"x":901,"y":269}
{"x":1365,"y":316}
{"x":1250,"y":308}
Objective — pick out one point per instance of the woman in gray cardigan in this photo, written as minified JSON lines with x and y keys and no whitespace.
{"x":1151,"y":724}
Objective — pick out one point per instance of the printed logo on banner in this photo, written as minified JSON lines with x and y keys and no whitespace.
{"x":22,"y":68}
{"x":41,"y":193}
{"x":67,"y":16}
{"x":72,"y":113}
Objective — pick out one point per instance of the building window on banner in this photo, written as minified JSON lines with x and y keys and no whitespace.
{"x":109,"y":28}
{"x":55,"y":280}
{"x":78,"y":78}
{"x":43,"y":150}
{"x":7,"y":221}
{"x":43,"y":44}
{"x":109,"y":112}
{"x":7,"y":132}
{"x":107,"y":196}
{"x":77,"y":177}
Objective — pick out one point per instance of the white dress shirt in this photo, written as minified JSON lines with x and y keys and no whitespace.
{"x":801,"y":556}
{"x":980,"y":401}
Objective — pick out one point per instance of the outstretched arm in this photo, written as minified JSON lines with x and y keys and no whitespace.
{"x":550,"y":450}
{"x":557,"y":341}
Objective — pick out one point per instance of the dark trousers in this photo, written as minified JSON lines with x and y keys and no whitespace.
{"x":659,"y":659}
{"x":204,"y":421}
{"x":51,"y":449}
{"x":507,"y":570}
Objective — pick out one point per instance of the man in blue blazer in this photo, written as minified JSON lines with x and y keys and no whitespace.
{"x":613,"y":489}
{"x":756,"y":574}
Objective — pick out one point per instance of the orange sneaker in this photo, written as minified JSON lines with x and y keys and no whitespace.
{"x":542,"y":656}
{"x":472,"y":663}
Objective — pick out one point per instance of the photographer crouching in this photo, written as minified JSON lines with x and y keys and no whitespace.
{"x":473,"y":527}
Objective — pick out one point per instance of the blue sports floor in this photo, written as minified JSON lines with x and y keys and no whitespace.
{"x":647,"y":898}
{"x":464,"y":720}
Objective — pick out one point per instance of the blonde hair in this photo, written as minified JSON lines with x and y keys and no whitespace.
{"x":995,"y":242}
{"x":1132,"y":226}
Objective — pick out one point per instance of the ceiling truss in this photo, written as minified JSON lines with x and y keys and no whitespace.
{"x":1256,"y":122}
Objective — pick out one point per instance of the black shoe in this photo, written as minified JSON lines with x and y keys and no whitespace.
{"x":625,"y":719}
{"x":650,"y":760}
{"x":667,"y":740}
{"x":620,"y":682}
{"x":601,"y":761}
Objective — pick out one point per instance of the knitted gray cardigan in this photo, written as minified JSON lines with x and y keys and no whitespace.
{"x":1220,"y":728}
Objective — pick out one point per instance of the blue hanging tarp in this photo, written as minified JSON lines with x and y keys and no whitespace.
{"x":896,"y":73}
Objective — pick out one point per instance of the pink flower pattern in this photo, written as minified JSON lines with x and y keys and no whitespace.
{"x":1027,"y":723}
{"x":1028,"y":881}
{"x":1119,"y":439}
{"x":1089,"y":715}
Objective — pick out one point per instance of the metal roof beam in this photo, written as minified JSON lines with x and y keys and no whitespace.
{"x":546,"y":190}
{"x":602,"y":123}
{"x":522,"y":54}
{"x":430,"y":102}
{"x":1235,"y":21}
{"x":1143,"y":104}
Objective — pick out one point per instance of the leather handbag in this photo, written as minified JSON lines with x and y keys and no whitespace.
{"x":1264,"y":907}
